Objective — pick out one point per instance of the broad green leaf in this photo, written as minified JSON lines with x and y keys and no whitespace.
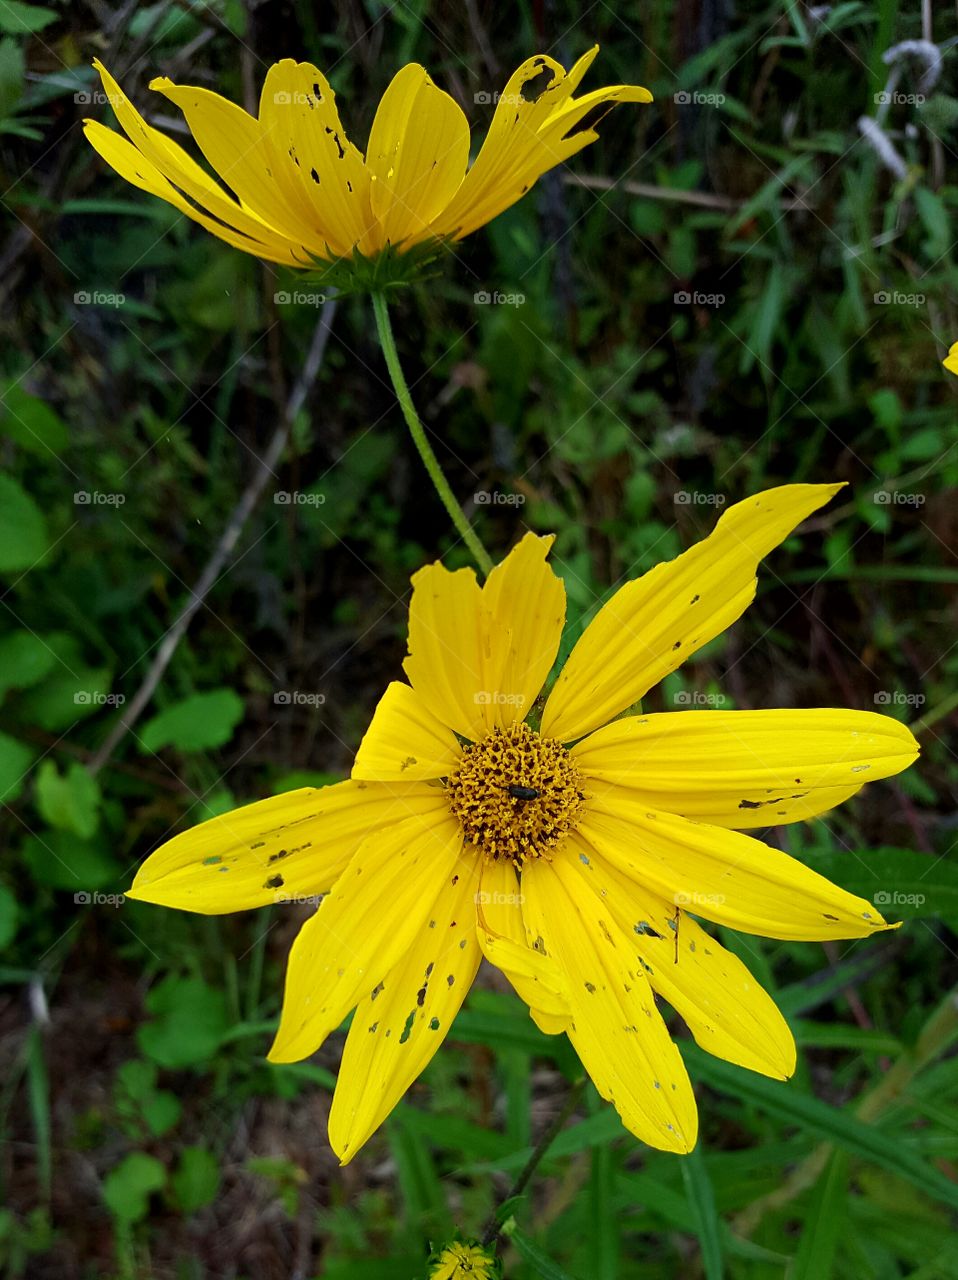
{"x":69,"y":801}
{"x":128,"y":1187}
{"x":28,"y":420}
{"x":200,"y":722}
{"x":15,"y":759}
{"x":24,"y":660}
{"x":61,"y":860}
{"x":18,"y":19}
{"x":196,"y":1181}
{"x":189,"y":1023}
{"x":24,"y":540}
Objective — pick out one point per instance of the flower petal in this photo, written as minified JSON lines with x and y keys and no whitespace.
{"x":478,"y":656}
{"x":616,"y":1029}
{"x":134,"y":168}
{"x":405,"y":741}
{"x":400,"y":1024}
{"x":536,"y":978}
{"x":322,"y":173}
{"x":951,"y":359}
{"x":291,"y":845}
{"x":747,"y":768}
{"x":722,"y":875}
{"x":363,"y":926}
{"x":234,"y":144}
{"x":157,"y":162}
{"x":417,"y":156}
{"x":652,"y":624}
{"x":726,"y":1010}
{"x":529,"y":135}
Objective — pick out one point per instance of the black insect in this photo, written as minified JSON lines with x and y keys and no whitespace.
{"x":523,"y":793}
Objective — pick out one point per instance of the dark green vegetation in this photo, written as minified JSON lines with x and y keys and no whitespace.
{"x":146,"y":365}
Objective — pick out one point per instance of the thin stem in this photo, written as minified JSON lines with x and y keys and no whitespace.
{"x":538,"y":1151}
{"x":417,"y":431}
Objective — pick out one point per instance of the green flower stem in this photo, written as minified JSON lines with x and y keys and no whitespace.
{"x":417,"y":431}
{"x":541,"y":1147}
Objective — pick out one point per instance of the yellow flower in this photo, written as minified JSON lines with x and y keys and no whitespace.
{"x":951,"y":359}
{"x":571,"y":849}
{"x":296,"y":191}
{"x":464,"y":1261}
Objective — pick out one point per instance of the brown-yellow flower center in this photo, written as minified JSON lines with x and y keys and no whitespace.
{"x":516,"y":794}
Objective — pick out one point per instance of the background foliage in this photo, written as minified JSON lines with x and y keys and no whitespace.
{"x":731,"y":290}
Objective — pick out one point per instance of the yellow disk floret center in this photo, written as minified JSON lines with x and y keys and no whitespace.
{"x":516,"y":794}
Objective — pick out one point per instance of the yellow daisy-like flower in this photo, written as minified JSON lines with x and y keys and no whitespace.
{"x":571,"y":849}
{"x":464,"y":1261}
{"x":951,"y":359}
{"x":296,"y":191}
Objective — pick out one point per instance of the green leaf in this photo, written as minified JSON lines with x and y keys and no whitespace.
{"x":61,"y":860}
{"x":15,"y":760}
{"x":190,"y":1023}
{"x":8,"y":916}
{"x":12,"y":69}
{"x":20,"y":19}
{"x":128,"y":1187}
{"x":197,"y":1180}
{"x":826,"y":1216}
{"x":70,"y":801}
{"x":200,"y":722}
{"x":24,"y":540}
{"x":904,"y":884}
{"x":24,"y":660}
{"x":28,"y":420}
{"x":698,"y":1188}
{"x":842,"y":1128}
{"x":541,"y":1263}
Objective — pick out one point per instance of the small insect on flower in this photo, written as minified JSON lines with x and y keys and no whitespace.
{"x":293,"y":189}
{"x":560,"y":851}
